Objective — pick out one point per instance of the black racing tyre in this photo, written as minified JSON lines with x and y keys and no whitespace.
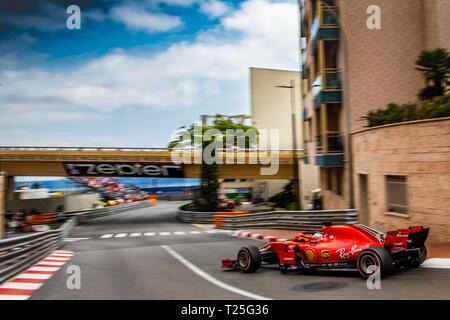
{"x":374,"y":256}
{"x":249,"y":259}
{"x":421,"y":257}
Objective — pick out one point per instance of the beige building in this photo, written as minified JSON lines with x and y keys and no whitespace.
{"x":358,"y":56}
{"x":276,"y":105}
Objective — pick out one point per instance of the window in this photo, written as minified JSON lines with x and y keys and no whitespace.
{"x":397,"y":194}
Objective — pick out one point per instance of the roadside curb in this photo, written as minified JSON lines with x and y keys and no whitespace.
{"x":257,"y":236}
{"x":22,"y":286}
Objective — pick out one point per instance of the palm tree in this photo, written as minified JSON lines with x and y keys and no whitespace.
{"x":435,"y":65}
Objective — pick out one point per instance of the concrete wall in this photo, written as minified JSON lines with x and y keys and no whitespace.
{"x":69,"y":203}
{"x":421,"y":151}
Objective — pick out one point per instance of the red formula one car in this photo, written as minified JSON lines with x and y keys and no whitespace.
{"x":339,"y":248}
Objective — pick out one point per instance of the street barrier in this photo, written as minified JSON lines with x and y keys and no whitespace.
{"x":19,"y":253}
{"x":290,"y":220}
{"x":218,"y":217}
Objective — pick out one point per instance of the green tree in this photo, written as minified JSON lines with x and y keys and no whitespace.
{"x":206,"y":197}
{"x":435,"y":66}
{"x":438,"y":107}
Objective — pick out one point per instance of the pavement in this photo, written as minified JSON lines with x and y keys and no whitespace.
{"x":146,"y":254}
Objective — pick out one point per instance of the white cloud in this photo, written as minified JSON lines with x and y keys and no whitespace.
{"x":137,"y":18}
{"x":211,"y":71}
{"x":214,"y":8}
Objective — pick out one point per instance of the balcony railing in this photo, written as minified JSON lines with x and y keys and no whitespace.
{"x":331,"y":81}
{"x":325,"y":25}
{"x":329,"y":16}
{"x":334,"y":143}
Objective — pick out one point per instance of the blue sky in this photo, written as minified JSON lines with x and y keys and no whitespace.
{"x":136,"y":70}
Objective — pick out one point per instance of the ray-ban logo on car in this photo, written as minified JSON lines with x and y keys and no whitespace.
{"x":124,"y":169}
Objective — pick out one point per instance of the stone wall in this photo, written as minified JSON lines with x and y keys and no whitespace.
{"x":419,"y":150}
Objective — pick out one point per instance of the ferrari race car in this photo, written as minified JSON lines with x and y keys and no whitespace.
{"x":339,"y":248}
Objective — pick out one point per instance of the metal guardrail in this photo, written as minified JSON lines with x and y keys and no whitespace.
{"x":19,"y":253}
{"x":291,"y":220}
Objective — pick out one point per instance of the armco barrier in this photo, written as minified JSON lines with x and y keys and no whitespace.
{"x":293,"y":220}
{"x":218,"y":217}
{"x":20,"y":253}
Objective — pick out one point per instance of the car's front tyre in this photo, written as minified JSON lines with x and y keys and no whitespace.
{"x":249,"y":259}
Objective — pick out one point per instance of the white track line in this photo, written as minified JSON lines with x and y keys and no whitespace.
{"x":164,"y":233}
{"x":135,"y":234}
{"x":44,"y":269}
{"x":57,"y":258}
{"x":121,"y":235}
{"x":179,"y":232}
{"x":33,"y":276}
{"x":195,"y":232}
{"x":105,"y":236}
{"x":20,"y":285}
{"x":439,"y":263}
{"x":13,"y":297}
{"x":149,"y":234}
{"x":52,"y":263}
{"x":211,"y":279}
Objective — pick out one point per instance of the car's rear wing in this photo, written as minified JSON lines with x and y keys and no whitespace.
{"x":411,"y":238}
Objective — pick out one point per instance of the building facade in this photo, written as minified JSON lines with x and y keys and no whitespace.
{"x":358,"y":56}
{"x":276,"y":105}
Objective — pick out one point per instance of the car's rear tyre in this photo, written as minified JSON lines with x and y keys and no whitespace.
{"x":249,"y":259}
{"x":374,"y":260}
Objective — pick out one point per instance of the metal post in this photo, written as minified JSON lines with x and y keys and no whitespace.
{"x":296,"y":185}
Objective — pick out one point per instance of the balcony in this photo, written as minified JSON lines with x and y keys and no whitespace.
{"x":324,"y":26}
{"x":334,"y":143}
{"x":326,"y":87}
{"x":332,"y":153}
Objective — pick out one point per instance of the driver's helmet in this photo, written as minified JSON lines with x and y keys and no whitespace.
{"x":317,"y":235}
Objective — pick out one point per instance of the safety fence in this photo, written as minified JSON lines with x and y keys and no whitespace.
{"x":20,"y":253}
{"x":290,"y":220}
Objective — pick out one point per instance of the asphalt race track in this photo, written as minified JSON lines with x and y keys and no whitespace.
{"x":148,"y":254}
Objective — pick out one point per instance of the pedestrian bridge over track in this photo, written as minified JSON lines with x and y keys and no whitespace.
{"x":56,"y":161}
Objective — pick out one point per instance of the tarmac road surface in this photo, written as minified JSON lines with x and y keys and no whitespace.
{"x":148,"y":254}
